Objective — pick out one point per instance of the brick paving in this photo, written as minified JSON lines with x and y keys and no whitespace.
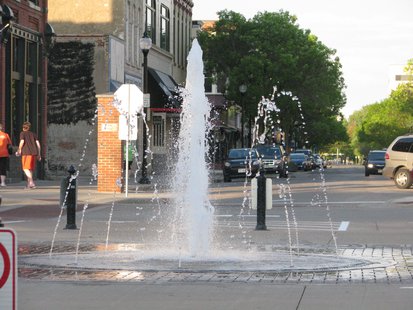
{"x":394,"y":266}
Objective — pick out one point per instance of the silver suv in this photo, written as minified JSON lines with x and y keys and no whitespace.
{"x":399,"y":161}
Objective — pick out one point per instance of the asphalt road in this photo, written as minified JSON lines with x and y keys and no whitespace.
{"x":365,"y":212}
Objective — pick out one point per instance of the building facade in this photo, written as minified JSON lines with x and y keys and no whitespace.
{"x":115,"y":27}
{"x":25,"y":39}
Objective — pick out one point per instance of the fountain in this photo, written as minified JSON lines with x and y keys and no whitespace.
{"x":193,"y":219}
{"x":188,"y":240}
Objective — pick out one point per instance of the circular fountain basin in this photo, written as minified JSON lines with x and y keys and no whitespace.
{"x":138,"y":260}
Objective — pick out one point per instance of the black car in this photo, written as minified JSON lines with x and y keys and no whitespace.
{"x":241,"y":163}
{"x":299,"y":160}
{"x":374,"y":163}
{"x":273,"y":159}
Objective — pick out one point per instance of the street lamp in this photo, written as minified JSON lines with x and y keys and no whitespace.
{"x":242,"y":89}
{"x":145,"y":44}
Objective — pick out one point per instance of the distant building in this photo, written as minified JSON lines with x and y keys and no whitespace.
{"x":397,"y":76}
{"x":115,"y":27}
{"x":226,"y":115}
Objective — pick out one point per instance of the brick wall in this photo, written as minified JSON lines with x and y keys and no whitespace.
{"x":109,"y":147}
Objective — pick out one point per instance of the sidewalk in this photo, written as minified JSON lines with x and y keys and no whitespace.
{"x":16,"y":201}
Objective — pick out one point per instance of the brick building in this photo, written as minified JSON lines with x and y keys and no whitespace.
{"x":115,"y":28}
{"x":25,"y":39}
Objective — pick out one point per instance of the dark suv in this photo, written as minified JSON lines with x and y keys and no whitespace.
{"x":374,"y":162}
{"x":273,"y":159}
{"x":399,"y":161}
{"x":241,"y":163}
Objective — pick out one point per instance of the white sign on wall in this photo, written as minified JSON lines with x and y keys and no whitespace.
{"x":8,"y":269}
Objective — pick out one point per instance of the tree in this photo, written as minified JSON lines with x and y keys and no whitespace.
{"x":271,"y":50}
{"x":376,"y":125}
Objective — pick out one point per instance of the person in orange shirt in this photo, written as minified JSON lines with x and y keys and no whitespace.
{"x":29,"y":148}
{"x":4,"y":155}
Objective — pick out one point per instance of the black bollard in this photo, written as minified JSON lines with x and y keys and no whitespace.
{"x":68,"y":197}
{"x":1,"y":224}
{"x":261,"y":201}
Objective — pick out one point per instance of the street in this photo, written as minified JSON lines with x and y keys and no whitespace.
{"x":368,"y":216}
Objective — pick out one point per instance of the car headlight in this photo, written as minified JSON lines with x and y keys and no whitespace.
{"x":370,"y":166}
{"x":227,"y":164}
{"x":256,"y":163}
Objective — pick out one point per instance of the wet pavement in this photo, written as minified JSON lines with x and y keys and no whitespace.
{"x":389,"y":265}
{"x":393,"y":264}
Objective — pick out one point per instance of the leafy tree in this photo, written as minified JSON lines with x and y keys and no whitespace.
{"x":376,"y":125}
{"x":272,"y":50}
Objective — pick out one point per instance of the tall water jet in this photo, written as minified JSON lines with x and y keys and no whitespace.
{"x":193,"y":223}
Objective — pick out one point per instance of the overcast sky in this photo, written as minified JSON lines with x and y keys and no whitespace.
{"x":370,"y":36}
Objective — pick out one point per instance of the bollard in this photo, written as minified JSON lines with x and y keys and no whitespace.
{"x":68,"y":197}
{"x":261,"y":201}
{"x":268,"y":194}
{"x":254,"y":193}
{"x":1,"y":224}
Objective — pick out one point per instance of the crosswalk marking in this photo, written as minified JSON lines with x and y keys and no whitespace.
{"x":302,"y":225}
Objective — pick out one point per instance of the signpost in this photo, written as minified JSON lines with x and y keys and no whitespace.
{"x":130,"y":102}
{"x":8,"y":269}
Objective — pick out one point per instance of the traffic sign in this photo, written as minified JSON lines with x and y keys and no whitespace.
{"x":8,"y":269}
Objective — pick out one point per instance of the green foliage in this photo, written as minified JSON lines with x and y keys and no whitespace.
{"x":375,"y":126}
{"x":71,"y":90}
{"x":272,"y":50}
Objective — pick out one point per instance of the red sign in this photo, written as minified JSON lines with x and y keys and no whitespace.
{"x":8,"y":269}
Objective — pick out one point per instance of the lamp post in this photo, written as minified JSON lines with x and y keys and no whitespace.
{"x":242,"y":89}
{"x":145,"y":44}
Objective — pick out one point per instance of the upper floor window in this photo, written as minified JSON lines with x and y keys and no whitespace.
{"x":35,"y":2}
{"x":150,"y":26}
{"x":165,"y":33}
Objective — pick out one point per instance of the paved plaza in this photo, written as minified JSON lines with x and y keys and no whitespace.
{"x":32,"y":214}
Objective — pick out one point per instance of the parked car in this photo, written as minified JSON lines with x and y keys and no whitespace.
{"x":320,"y":161}
{"x":307,"y":152}
{"x":299,"y":160}
{"x":374,"y":162}
{"x":273,"y":159}
{"x":399,"y":161}
{"x":310,"y":163}
{"x":241,"y":163}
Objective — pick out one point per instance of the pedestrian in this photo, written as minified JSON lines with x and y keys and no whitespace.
{"x":29,"y":149}
{"x":130,"y":154}
{"x":5,"y":143}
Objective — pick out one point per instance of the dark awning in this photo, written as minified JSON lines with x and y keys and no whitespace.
{"x":163,"y":89}
{"x":218,"y":101}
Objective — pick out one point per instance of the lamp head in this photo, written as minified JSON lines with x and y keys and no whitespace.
{"x":145,"y":43}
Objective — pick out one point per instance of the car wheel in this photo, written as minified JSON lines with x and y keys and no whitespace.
{"x":227,"y":178}
{"x":403,"y":179}
{"x":366,"y":173}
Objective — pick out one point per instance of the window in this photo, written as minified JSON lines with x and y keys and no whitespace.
{"x":165,"y":28}
{"x":208,"y":84}
{"x":158,"y":131}
{"x":403,"y":145}
{"x":31,"y":58}
{"x":150,"y":26}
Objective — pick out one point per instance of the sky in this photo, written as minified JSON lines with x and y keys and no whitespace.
{"x":371,"y":37}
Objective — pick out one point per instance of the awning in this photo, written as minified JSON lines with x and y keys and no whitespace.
{"x":217,"y":101}
{"x":219,"y":125}
{"x":164,"y":90}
